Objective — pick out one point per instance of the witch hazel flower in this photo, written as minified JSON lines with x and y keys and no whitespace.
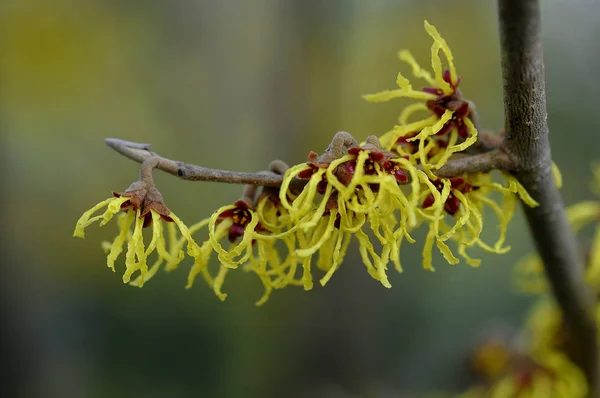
{"x":440,"y":98}
{"x":454,"y":211}
{"x":234,"y":223}
{"x":140,"y":206}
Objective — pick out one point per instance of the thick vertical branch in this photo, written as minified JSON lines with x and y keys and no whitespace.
{"x":527,"y":143}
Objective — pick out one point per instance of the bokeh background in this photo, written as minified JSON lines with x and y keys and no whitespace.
{"x":234,"y":84}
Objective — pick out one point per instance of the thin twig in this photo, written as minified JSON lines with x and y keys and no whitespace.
{"x":483,"y":162}
{"x":140,"y":152}
{"x":526,"y":142}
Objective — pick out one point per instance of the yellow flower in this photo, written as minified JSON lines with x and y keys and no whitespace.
{"x":545,"y":329}
{"x":547,"y":375}
{"x":400,"y":140}
{"x":252,"y":246}
{"x":242,"y":221}
{"x":360,"y":188}
{"x":137,"y":212}
{"x":492,"y":358}
{"x":462,"y":200}
{"x":448,"y":113}
{"x":235,"y":222}
{"x":540,"y":368}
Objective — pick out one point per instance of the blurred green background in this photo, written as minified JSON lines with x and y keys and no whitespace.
{"x":234,"y":84}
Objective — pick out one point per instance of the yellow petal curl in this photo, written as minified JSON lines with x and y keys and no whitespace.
{"x":113,"y":206}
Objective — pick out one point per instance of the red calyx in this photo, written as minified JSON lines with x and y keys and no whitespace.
{"x":146,"y":205}
{"x":322,"y":185}
{"x":338,"y":219}
{"x":448,"y":79}
{"x":457,"y":121}
{"x":429,"y":201}
{"x":451,"y":102}
{"x":434,"y":91}
{"x":240,"y":215}
{"x":398,"y":172}
{"x":308,"y":172}
{"x":148,"y":219}
{"x":409,"y":146}
{"x":452,"y":204}
{"x":369,"y":165}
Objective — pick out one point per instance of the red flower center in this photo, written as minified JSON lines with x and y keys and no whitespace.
{"x":451,"y":102}
{"x":241,"y":217}
{"x":452,"y":204}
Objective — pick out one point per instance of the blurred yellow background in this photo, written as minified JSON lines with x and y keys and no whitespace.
{"x":234,"y":84}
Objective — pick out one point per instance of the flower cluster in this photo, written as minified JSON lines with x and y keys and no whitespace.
{"x":536,"y":363}
{"x":504,"y":370}
{"x":379,"y":191}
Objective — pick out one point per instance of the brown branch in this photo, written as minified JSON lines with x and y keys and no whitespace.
{"x":140,"y":152}
{"x":526,"y":142}
{"x":481,"y":163}
{"x":484,"y":162}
